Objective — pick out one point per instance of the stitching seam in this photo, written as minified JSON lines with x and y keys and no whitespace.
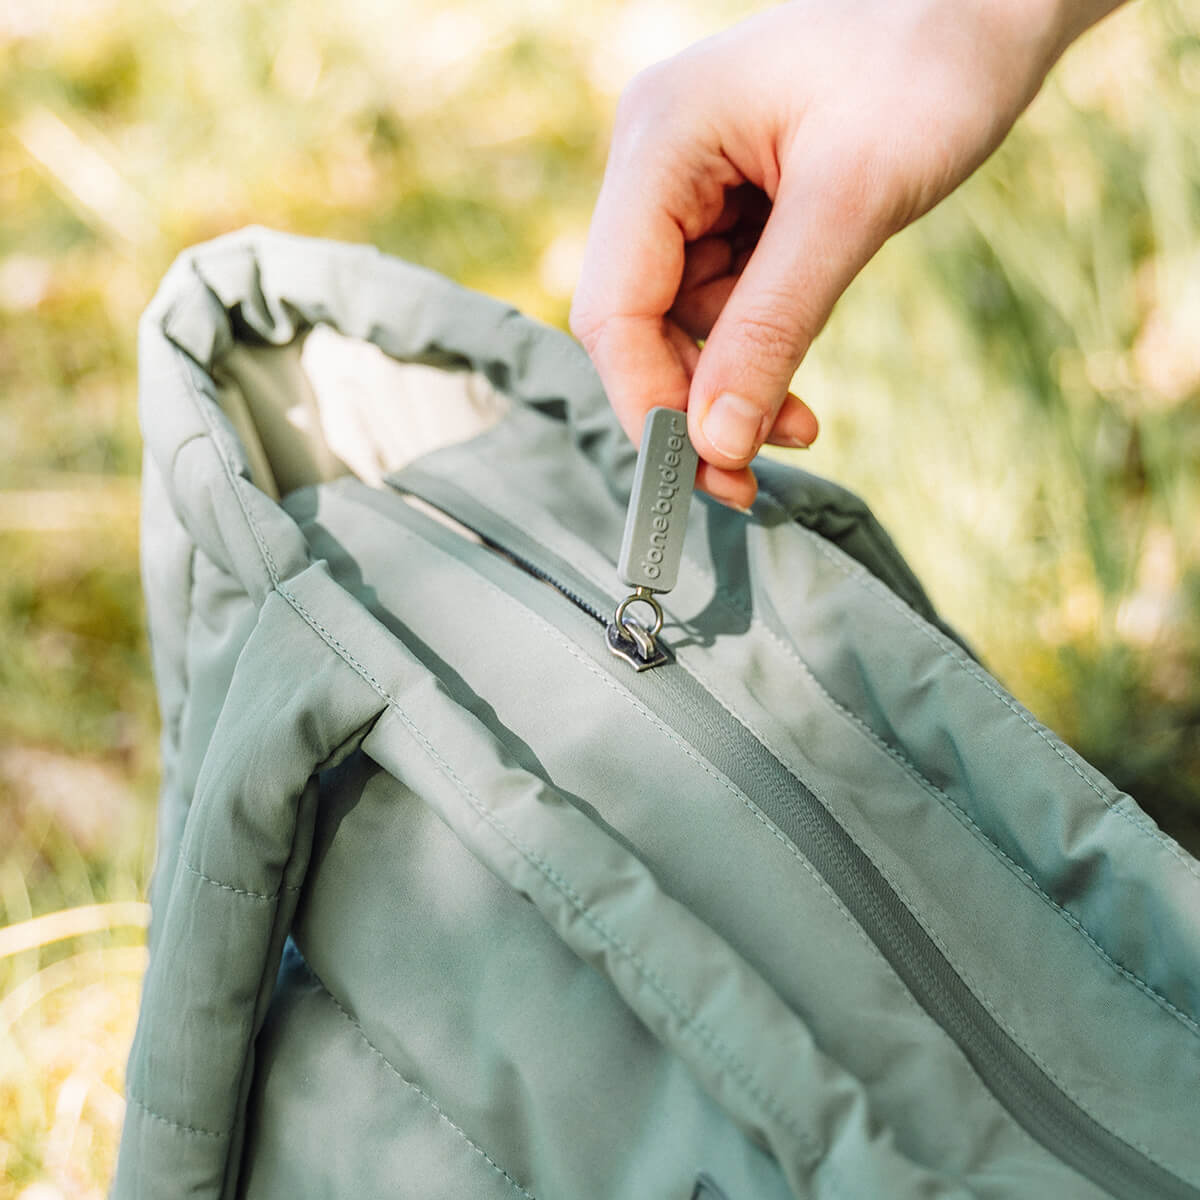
{"x":647,"y":714}
{"x":689,"y":1022}
{"x":979,"y":993}
{"x":228,"y":887}
{"x":964,"y":817}
{"x":179,"y":1125}
{"x":433,"y":1104}
{"x":975,"y":672}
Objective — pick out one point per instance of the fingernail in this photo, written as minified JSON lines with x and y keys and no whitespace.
{"x":733,"y":425}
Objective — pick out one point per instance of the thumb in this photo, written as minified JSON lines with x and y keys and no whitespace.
{"x":815,"y":241}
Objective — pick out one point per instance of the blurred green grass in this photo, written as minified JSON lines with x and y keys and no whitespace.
{"x":1014,"y":384}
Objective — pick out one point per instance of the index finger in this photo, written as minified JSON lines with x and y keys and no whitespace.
{"x":632,"y":271}
{"x":632,"y":268}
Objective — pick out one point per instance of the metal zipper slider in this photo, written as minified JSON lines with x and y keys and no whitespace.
{"x":654,"y":531}
{"x":628,"y":639}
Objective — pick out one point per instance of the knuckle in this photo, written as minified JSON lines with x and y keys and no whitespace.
{"x":646,"y":87}
{"x":775,"y":332}
{"x":646,"y":101}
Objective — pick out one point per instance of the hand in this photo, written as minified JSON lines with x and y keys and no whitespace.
{"x":752,"y":176}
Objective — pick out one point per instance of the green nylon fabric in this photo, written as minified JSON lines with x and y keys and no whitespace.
{"x":450,"y":902}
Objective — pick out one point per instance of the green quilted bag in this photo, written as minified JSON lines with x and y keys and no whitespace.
{"x":453,"y":901}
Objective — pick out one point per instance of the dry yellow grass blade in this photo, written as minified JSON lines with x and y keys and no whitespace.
{"x":83,"y":167}
{"x":112,"y":960}
{"x":64,"y":1033}
{"x":71,"y":922}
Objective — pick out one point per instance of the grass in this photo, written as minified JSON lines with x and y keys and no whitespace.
{"x":1014,"y":384}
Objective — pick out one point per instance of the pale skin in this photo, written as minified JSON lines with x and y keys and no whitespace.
{"x":751,"y":177}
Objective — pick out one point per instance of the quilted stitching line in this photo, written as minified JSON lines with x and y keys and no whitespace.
{"x":545,"y":627}
{"x":948,"y":801}
{"x":688,"y":1020}
{"x":967,"y":977}
{"x":179,"y":1125}
{"x":229,"y":887}
{"x":671,"y":735}
{"x":807,"y":514}
{"x":424,"y":1095}
{"x":975,"y":672}
{"x":965,"y":817}
{"x":332,"y":642}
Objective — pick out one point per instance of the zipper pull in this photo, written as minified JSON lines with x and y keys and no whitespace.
{"x":654,"y":530}
{"x":628,"y":639}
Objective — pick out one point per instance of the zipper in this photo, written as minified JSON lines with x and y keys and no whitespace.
{"x":1020,"y":1085}
{"x":625,"y":636}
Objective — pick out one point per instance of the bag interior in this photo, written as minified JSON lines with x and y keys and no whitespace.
{"x":327,"y":405}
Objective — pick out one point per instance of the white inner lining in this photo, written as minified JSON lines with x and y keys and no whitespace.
{"x":328,"y":405}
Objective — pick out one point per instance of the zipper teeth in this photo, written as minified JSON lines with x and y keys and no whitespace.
{"x":545,"y":576}
{"x":1066,"y":1130}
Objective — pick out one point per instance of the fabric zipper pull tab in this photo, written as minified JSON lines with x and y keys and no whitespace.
{"x":658,"y":505}
{"x":655,"y":526}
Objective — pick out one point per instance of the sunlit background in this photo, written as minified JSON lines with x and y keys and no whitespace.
{"x":1014,"y":385}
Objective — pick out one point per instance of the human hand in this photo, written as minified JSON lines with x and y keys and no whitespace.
{"x":751,"y":177}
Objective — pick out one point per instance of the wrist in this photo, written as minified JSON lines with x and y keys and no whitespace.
{"x":1057,"y":23}
{"x":1021,"y":40}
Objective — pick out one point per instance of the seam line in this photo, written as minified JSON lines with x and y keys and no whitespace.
{"x":965,"y":817}
{"x":689,"y":1021}
{"x":178,"y":1125}
{"x":647,"y":714}
{"x":948,"y":801}
{"x":229,"y":887}
{"x":976,"y":673}
{"x":967,"y":977}
{"x":424,"y":1095}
